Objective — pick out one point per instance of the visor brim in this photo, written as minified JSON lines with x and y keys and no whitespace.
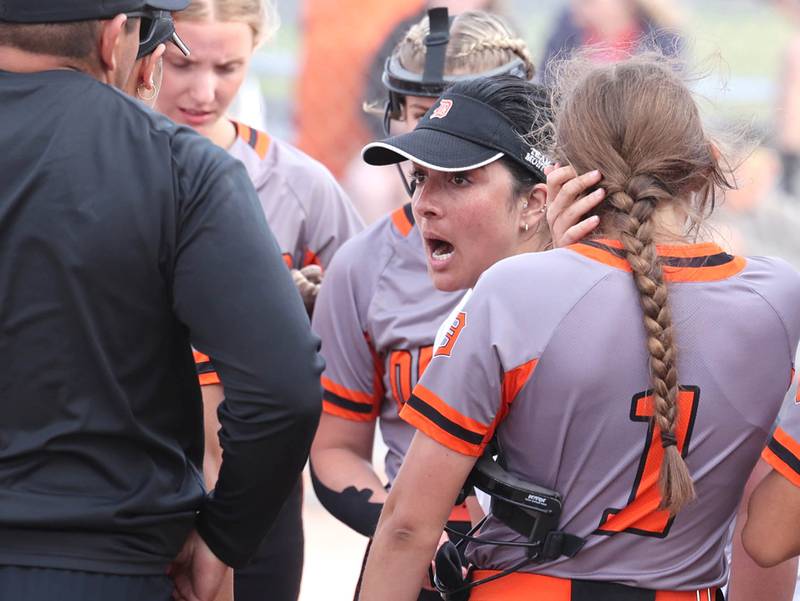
{"x":167,"y":4}
{"x":432,"y":149}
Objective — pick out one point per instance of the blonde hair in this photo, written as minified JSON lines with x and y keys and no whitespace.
{"x":260,"y":15}
{"x":638,"y":124}
{"x":479,"y":41}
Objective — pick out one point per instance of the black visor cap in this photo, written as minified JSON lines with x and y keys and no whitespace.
{"x":458,"y":133}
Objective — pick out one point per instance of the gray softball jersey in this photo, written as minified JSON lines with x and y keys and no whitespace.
{"x":306,"y":209}
{"x":307,"y":212}
{"x":377,"y":315}
{"x":549,"y":354}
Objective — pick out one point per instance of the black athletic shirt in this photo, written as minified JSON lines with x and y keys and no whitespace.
{"x":123,"y":237}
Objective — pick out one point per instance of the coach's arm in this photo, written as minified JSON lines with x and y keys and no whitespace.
{"x":232,"y":289}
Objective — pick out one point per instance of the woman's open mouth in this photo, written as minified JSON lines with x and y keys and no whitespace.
{"x":439,"y":251}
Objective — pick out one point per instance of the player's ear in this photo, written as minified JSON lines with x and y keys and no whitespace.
{"x":534,"y":204}
{"x":532,"y":217}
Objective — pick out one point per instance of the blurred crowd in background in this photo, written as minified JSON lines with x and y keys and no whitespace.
{"x":317,"y":84}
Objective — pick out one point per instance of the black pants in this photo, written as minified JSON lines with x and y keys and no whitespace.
{"x":275,"y":571}
{"x":40,"y":584}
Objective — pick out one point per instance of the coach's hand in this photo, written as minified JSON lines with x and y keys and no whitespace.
{"x":196,"y":571}
{"x":567,"y":203}
{"x":308,"y":280}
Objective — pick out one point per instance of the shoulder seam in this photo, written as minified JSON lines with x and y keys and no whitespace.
{"x":383,"y":268}
{"x":567,"y":313}
{"x":780,"y":318}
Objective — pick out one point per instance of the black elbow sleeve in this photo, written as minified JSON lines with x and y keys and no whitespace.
{"x":351,"y":506}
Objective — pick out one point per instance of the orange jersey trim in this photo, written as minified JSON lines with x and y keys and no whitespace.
{"x":782,"y":453}
{"x":601,"y":256}
{"x":779,"y":466}
{"x":355,"y":405}
{"x":351,"y":395}
{"x":403,"y":219}
{"x":703,"y":273}
{"x":522,"y":586}
{"x":460,"y":513}
{"x":353,"y":416}
{"x":209,"y":375}
{"x":311,"y":258}
{"x":262,"y":144}
{"x":209,"y":378}
{"x":427,"y":427}
{"x":448,"y":412}
{"x":787,"y":441}
{"x":514,"y":380}
{"x":258,"y":140}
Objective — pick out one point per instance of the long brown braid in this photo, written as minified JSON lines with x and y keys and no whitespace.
{"x":637,"y":123}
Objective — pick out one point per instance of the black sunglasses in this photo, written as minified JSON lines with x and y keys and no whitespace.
{"x":156,"y":27}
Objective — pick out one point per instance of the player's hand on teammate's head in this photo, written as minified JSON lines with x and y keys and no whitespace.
{"x":308,"y":280}
{"x":568,"y":202}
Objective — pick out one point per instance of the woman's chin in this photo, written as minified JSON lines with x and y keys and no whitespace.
{"x":448,"y":282}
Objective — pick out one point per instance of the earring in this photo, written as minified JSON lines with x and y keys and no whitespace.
{"x":524,"y":204}
{"x":150,"y":93}
{"x":524,"y":226}
{"x":544,"y":208}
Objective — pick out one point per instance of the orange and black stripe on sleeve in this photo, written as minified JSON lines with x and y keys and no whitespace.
{"x":429,"y":414}
{"x":783,"y":454}
{"x":205,"y":369}
{"x":355,"y":405}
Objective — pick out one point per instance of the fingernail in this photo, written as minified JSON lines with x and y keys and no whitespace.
{"x":595,"y":173}
{"x":600,"y":192}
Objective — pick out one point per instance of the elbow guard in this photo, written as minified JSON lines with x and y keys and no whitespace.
{"x":351,"y":506}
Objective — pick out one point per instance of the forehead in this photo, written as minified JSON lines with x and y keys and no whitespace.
{"x":420,"y":101}
{"x":215,"y":41}
{"x":495,"y":172}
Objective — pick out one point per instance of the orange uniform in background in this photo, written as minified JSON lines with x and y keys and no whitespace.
{"x":340,"y":39}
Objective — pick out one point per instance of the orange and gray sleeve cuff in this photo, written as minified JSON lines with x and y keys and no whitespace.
{"x":783,"y":454}
{"x":353,"y":405}
{"x":205,"y":369}
{"x":432,"y":416}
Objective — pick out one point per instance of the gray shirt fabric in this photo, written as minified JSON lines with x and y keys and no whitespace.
{"x":377,"y":315}
{"x":549,"y":352}
{"x":306,"y":209}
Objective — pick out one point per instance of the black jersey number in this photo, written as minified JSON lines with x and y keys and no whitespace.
{"x":641,"y":515}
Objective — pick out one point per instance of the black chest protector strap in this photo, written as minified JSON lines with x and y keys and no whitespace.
{"x":436,"y":45}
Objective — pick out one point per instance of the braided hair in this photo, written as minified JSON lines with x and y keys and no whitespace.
{"x":637,"y":123}
{"x":479,"y":41}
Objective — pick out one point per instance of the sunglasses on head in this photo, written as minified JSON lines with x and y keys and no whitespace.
{"x":156,"y":27}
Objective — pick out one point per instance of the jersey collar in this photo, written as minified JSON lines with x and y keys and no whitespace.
{"x":704,"y":262}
